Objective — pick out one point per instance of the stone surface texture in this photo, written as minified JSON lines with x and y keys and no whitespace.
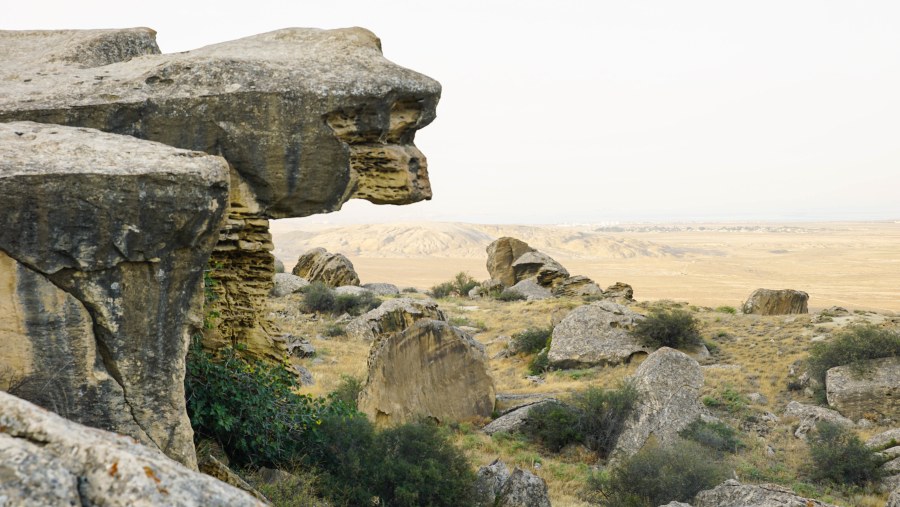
{"x":500,"y":257}
{"x":429,"y":370}
{"x":393,"y":316}
{"x":101,"y":261}
{"x":48,"y":460}
{"x":868,"y":389}
{"x":598,"y":333}
{"x":383,"y":289}
{"x":286,"y":283}
{"x":332,"y":269}
{"x":513,"y":420}
{"x":577,"y":286}
{"x":668,"y":383}
{"x":776,"y":302}
{"x":808,"y":415}
{"x":732,"y":493}
{"x":523,"y":489}
{"x":531,"y":290}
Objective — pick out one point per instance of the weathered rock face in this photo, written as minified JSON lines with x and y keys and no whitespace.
{"x":332,"y":269}
{"x":306,"y":118}
{"x":431,"y":369}
{"x":869,"y":389}
{"x":539,"y":266}
{"x":894,"y":499}
{"x":383,"y":289}
{"x":104,"y":247}
{"x":531,"y":290}
{"x":495,"y":486}
{"x":489,"y":481}
{"x":286,"y":283}
{"x":576,"y":286}
{"x":48,"y":460}
{"x":501,"y":255}
{"x":619,"y":290}
{"x":809,"y":415}
{"x":393,"y":316}
{"x":776,"y":302}
{"x":598,"y":333}
{"x":668,"y":383}
{"x":513,"y":420}
{"x":732,"y":493}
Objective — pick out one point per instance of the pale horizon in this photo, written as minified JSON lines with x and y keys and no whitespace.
{"x":576,"y":112}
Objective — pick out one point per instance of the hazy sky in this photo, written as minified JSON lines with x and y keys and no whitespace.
{"x":579,"y":111}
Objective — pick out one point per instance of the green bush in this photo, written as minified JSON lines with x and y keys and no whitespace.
{"x":675,"y":328}
{"x":540,"y":362}
{"x":333,"y":330}
{"x":250,"y":408}
{"x":507,"y":295}
{"x":851,"y":347}
{"x":727,"y":309}
{"x":461,"y":284}
{"x":715,"y":435}
{"x":531,"y":340}
{"x":355,"y":304}
{"x":658,"y":475}
{"x":594,"y":417}
{"x":729,"y":399}
{"x":318,"y":297}
{"x":348,"y":390}
{"x":839,"y":456}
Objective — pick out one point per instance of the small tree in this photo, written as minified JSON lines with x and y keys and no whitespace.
{"x":675,"y":328}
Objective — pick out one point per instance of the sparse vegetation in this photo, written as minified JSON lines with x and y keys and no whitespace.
{"x":508,"y":296}
{"x":851,"y":347}
{"x":348,"y":390}
{"x":727,"y":309}
{"x":540,"y":362}
{"x":531,"y":340}
{"x":461,"y":284}
{"x":715,"y":435}
{"x":669,"y":328}
{"x":319,"y":298}
{"x":657,"y":475}
{"x":729,"y":399}
{"x":839,"y":456}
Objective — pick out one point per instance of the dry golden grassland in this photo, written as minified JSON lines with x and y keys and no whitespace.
{"x":749,"y":354}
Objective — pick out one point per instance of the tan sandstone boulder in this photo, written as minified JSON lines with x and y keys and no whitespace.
{"x":393,"y":316}
{"x":871,"y":388}
{"x":429,"y":370}
{"x":332,"y":269}
{"x":101,"y":261}
{"x":48,"y":460}
{"x":776,"y":302}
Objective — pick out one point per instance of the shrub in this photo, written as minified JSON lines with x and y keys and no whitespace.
{"x":657,"y":475}
{"x":531,"y":340}
{"x":355,"y":304}
{"x":461,"y":284}
{"x":333,"y":330}
{"x":729,"y":399}
{"x":715,"y":435}
{"x":510,"y":295}
{"x":318,"y":297}
{"x":540,"y":362}
{"x":348,"y":390}
{"x":675,"y":328}
{"x":594,"y":417}
{"x":851,"y":347}
{"x":250,"y":407}
{"x":839,"y":456}
{"x":727,"y":309}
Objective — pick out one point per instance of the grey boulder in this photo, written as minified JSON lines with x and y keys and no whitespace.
{"x":594,"y":334}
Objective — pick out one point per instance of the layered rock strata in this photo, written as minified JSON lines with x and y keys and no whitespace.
{"x":332,"y":269}
{"x":306,"y":118}
{"x":101,"y":262}
{"x":776,"y":302}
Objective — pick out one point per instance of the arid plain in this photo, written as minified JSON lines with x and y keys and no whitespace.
{"x":851,"y":264}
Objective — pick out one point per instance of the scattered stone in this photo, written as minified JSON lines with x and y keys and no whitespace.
{"x":531,"y":289}
{"x":758,"y":399}
{"x":383,"y":289}
{"x":732,"y":493}
{"x":394,"y":315}
{"x":668,"y":383}
{"x":286,"y":283}
{"x":352,"y":290}
{"x":304,"y":375}
{"x":865,"y":389}
{"x":48,"y":460}
{"x":776,"y":302}
{"x":212,"y":467}
{"x":431,"y":369}
{"x":469,"y":329}
{"x":535,"y":379}
{"x":809,"y":415}
{"x":577,"y":286}
{"x":332,"y":269}
{"x":523,"y":489}
{"x":540,"y":266}
{"x":835,"y":311}
{"x":489,"y":481}
{"x":594,"y":334}
{"x":301,"y":348}
{"x":619,"y":291}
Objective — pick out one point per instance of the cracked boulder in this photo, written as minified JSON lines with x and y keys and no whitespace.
{"x":668,"y":383}
{"x":48,"y":460}
{"x":332,"y":269}
{"x":429,"y":370}
{"x":101,"y":264}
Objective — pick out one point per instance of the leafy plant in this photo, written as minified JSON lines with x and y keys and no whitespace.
{"x":531,"y":340}
{"x":507,"y":295}
{"x":348,"y":390}
{"x":355,"y":304}
{"x":851,"y":347}
{"x":461,"y":284}
{"x":715,"y":435}
{"x":657,"y":475}
{"x":333,"y":330}
{"x":727,"y":309}
{"x":540,"y":362}
{"x":318,"y":297}
{"x":839,"y":456}
{"x":729,"y":399}
{"x":675,"y":328}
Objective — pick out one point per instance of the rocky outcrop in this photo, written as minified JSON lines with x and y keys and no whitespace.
{"x":598,"y":333}
{"x":668,"y":383}
{"x":776,"y":302}
{"x":286,"y":283}
{"x":332,"y":269}
{"x":383,"y":289}
{"x":500,"y":257}
{"x":539,"y":266}
{"x":531,"y":290}
{"x":894,"y":498}
{"x":809,"y":415}
{"x":514,"y":420}
{"x":103,"y":250}
{"x":393,"y":316}
{"x":619,"y":291}
{"x":884,"y":440}
{"x":577,"y":286}
{"x":868,"y":389}
{"x":732,"y":493}
{"x":306,"y":118}
{"x":429,"y":370}
{"x":48,"y":460}
{"x":495,"y":486}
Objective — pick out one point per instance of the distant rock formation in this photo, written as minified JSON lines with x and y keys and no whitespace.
{"x":594,"y":334}
{"x":576,"y":286}
{"x":48,"y":460}
{"x":393,"y":316}
{"x":332,"y":269}
{"x":103,"y":251}
{"x":108,"y":235}
{"x":668,"y":384}
{"x":870,"y":388}
{"x":429,"y":370}
{"x":776,"y":302}
{"x":511,"y":260}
